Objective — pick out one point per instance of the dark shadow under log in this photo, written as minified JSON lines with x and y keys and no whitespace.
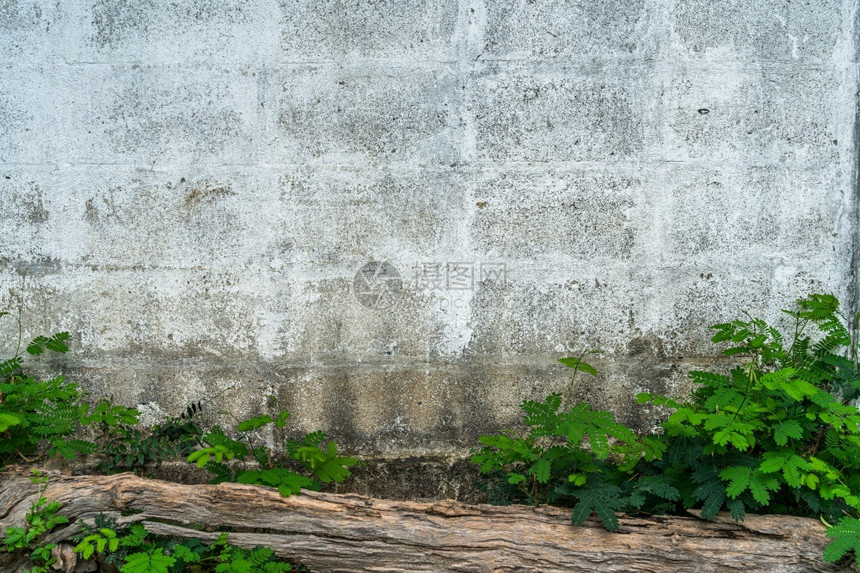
{"x":330,"y":532}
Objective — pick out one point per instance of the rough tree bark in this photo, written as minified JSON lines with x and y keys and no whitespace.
{"x":329,"y":532}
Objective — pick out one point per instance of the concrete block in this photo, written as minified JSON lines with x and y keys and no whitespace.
{"x":151,"y":115}
{"x":755,"y":115}
{"x":167,"y":389}
{"x":754,"y":213}
{"x":25,"y":224}
{"x":363,"y":209}
{"x":556,"y":213}
{"x":398,"y":412}
{"x":408,"y":410}
{"x":333,"y":30}
{"x":326,"y":316}
{"x":184,"y":31}
{"x":565,"y":307}
{"x":523,"y":114}
{"x":31,"y":30}
{"x":758,"y":31}
{"x":367,"y":115}
{"x":35,"y":115}
{"x":125,"y":218}
{"x":193,"y":222}
{"x":704,"y":295}
{"x":142,"y":313}
{"x":545,"y":30}
{"x":148,"y":116}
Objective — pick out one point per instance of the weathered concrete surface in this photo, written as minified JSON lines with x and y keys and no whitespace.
{"x":190,"y":188}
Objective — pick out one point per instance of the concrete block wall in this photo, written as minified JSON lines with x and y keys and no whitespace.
{"x":192,"y":188}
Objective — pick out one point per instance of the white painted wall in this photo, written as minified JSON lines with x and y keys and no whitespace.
{"x":190,"y":188}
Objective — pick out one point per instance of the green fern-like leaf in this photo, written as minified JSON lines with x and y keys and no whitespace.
{"x":788,"y":463}
{"x":660,"y":485}
{"x":785,"y":430}
{"x":294,"y":483}
{"x":9,"y":419}
{"x":712,"y":504}
{"x":711,"y":490}
{"x":186,"y":554}
{"x":832,"y":341}
{"x":656,"y":399}
{"x":260,"y":555}
{"x":710,"y":379}
{"x":725,"y":331}
{"x":287,"y":482}
{"x":104,"y":412}
{"x":333,"y":467}
{"x":761,"y":485}
{"x":216,"y":453}
{"x":57,"y":343}
{"x":59,"y":419}
{"x":738,"y":478}
{"x":276,"y":567}
{"x":684,"y":417}
{"x":730,"y":430}
{"x":254,"y":423}
{"x":794,"y":386}
{"x":62,"y":447}
{"x":823,"y":310}
{"x":598,"y":425}
{"x":313,"y":439}
{"x":136,"y":536}
{"x":542,"y":416}
{"x":83,"y":446}
{"x":152,"y":562}
{"x":282,"y":418}
{"x":579,"y":365}
{"x":742,"y":478}
{"x":684,"y":450}
{"x":236,"y":564}
{"x":846,"y":537}
{"x":724,"y":400}
{"x":736,"y":508}
{"x":11,"y":365}
{"x":221,"y":471}
{"x":601,"y":498}
{"x":541,"y":470}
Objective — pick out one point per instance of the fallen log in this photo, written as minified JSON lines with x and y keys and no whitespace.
{"x":330,"y":532}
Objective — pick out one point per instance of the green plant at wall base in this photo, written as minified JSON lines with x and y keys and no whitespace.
{"x":47,"y":412}
{"x":779,"y":433}
{"x":127,"y":448}
{"x":578,"y":364}
{"x":41,"y":519}
{"x":566,"y":457}
{"x":774,"y":433}
{"x":294,"y":464}
{"x":135,"y":550}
